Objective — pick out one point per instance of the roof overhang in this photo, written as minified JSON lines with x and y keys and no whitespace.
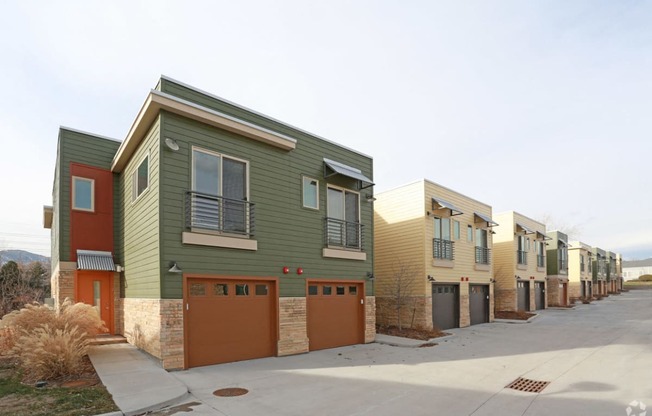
{"x":438,"y":203}
{"x":480,"y":218}
{"x":157,"y":101}
{"x":95,"y":260}
{"x":332,"y":167}
{"x":48,"y":213}
{"x":520,"y":228}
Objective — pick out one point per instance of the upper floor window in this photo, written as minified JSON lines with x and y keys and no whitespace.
{"x":521,"y":254}
{"x":482,"y":251}
{"x":469,"y":233}
{"x":343,"y":226}
{"x":220,"y":191}
{"x":310,"y":193}
{"x":141,"y":178}
{"x":83,"y":194}
{"x":456,"y":229}
{"x":581,"y":262}
{"x":442,"y":244}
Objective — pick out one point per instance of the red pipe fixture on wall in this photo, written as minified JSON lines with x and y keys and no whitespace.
{"x":286,"y":270}
{"x":299,"y":271}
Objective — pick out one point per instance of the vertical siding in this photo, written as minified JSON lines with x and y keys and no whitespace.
{"x":399,"y":237}
{"x":81,"y":148}
{"x":287,"y":234}
{"x":140,"y":226}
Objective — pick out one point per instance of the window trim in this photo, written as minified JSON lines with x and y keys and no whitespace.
{"x":134,"y":179}
{"x":344,"y":190}
{"x":303,"y":190}
{"x":221,"y":156}
{"x":72,"y":192}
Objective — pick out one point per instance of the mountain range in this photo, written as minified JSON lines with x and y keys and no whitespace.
{"x":21,"y":256}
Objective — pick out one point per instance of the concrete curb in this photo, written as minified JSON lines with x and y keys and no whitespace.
{"x":393,"y":341}
{"x":517,"y":321}
{"x":116,"y":413}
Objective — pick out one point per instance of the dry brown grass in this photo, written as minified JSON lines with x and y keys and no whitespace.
{"x":49,"y":343}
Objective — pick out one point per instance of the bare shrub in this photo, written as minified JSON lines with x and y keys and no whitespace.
{"x":49,"y":343}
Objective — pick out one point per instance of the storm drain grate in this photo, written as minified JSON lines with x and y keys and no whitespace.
{"x":530,"y":386}
{"x":230,"y":392}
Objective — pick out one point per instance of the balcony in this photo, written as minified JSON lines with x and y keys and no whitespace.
{"x":521,"y":257}
{"x":443,"y":249}
{"x":343,"y":234}
{"x":541,"y":260}
{"x":482,"y":255}
{"x":216,"y":214}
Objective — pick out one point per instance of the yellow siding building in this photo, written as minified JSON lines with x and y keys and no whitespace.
{"x":432,"y":250}
{"x":519,"y":263}
{"x":580,"y":271}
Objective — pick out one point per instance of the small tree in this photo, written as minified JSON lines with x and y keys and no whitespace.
{"x":16,"y":288}
{"x":400,"y":290}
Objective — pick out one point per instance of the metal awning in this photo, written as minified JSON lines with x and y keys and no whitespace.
{"x":95,"y":260}
{"x":523,"y":228}
{"x":542,"y":236}
{"x":445,"y":205}
{"x":484,"y":218}
{"x":332,"y":167}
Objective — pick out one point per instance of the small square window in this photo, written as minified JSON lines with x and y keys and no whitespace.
{"x":197,"y":289}
{"x":220,"y":289}
{"x":353,"y":290}
{"x":313,"y":291}
{"x":339,"y":290}
{"x":261,"y":290}
{"x":83,"y":194}
{"x":310,"y":193}
{"x":327,"y":290}
{"x":141,"y":178}
{"x":242,"y":289}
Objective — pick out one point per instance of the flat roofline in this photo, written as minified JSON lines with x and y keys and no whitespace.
{"x":524,"y":216}
{"x":258,"y":113}
{"x":436,"y":184}
{"x":89,"y":134}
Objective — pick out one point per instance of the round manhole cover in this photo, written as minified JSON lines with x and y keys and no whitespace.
{"x":230,"y":392}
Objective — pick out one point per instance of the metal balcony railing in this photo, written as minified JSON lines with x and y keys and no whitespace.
{"x":521,"y":257}
{"x":219,"y":214}
{"x":344,"y":234}
{"x":443,"y":249}
{"x":563,"y":264}
{"x":541,"y":260}
{"x":482,"y":255}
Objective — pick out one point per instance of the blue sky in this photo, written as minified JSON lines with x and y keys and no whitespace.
{"x":538,"y":107}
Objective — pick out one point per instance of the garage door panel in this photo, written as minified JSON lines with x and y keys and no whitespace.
{"x":523,"y":296}
{"x":479,"y":304}
{"x":335,"y":314}
{"x":230,"y":321}
{"x":445,"y":306}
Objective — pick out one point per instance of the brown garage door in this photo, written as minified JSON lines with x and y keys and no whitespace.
{"x":229,"y":320}
{"x":335,"y":314}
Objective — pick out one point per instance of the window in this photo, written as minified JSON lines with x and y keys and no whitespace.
{"x":220,"y":192}
{"x":343,"y":223}
{"x":527,"y":244}
{"x":521,"y":254}
{"x":456,"y":229}
{"x":442,"y":244}
{"x":481,"y":246}
{"x":310,"y":193}
{"x":83,"y":194}
{"x":541,"y":256}
{"x":581,"y":262}
{"x":141,"y":178}
{"x":469,"y":233}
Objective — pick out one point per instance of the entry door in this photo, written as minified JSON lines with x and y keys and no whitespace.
{"x":95,"y":288}
{"x":523,"y":295}
{"x":539,"y":295}
{"x":445,"y":306}
{"x":479,"y":303}
{"x":564,"y":293}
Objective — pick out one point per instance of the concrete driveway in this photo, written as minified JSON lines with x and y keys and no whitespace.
{"x":597,"y":358}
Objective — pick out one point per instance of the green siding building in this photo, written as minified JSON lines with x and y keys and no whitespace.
{"x":230,"y":229}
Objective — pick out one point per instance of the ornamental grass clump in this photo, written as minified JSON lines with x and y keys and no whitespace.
{"x":47,"y":343}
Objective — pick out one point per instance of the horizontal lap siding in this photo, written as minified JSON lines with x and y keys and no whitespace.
{"x":399,"y":238}
{"x":464,"y":251}
{"x":287,"y":234}
{"x":140,"y":229}
{"x":79,"y":148}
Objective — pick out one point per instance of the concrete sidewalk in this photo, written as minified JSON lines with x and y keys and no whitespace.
{"x":138,"y":384}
